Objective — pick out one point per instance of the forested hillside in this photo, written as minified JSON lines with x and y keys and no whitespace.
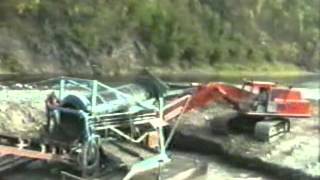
{"x":116,"y":36}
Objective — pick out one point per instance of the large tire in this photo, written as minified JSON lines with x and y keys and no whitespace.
{"x":74,"y":102}
{"x":69,"y":126}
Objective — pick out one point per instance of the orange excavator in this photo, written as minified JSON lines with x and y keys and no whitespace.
{"x":265,"y":107}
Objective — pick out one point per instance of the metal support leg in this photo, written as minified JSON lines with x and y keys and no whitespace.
{"x":161,"y":141}
{"x":61,"y":90}
{"x":160,"y":129}
{"x":94,"y":95}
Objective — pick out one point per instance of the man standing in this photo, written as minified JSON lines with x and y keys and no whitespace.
{"x":51,"y":102}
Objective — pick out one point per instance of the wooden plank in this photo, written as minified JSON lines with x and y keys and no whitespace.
{"x":8,"y":150}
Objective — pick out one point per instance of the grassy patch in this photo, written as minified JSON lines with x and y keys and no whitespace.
{"x":234,"y":70}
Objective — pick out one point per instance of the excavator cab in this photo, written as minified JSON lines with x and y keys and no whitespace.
{"x":273,"y":100}
{"x":261,"y":92}
{"x":274,"y":105}
{"x":256,"y":86}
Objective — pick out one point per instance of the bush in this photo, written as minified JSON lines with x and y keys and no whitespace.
{"x":177,"y":32}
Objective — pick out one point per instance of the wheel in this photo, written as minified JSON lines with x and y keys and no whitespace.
{"x":89,"y":158}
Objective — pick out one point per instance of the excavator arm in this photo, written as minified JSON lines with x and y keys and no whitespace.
{"x":211,"y":93}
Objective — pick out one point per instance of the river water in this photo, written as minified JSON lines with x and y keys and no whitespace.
{"x":309,"y":85}
{"x":217,"y":168}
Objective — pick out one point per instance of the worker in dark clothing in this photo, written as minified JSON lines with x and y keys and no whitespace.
{"x":51,"y":103}
{"x":261,"y":100}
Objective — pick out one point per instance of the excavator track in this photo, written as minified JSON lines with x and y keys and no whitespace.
{"x":270,"y":130}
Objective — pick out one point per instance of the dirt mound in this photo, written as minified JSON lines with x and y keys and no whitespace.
{"x":22,"y":113}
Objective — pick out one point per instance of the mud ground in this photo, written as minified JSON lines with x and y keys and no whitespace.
{"x":296,"y":153}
